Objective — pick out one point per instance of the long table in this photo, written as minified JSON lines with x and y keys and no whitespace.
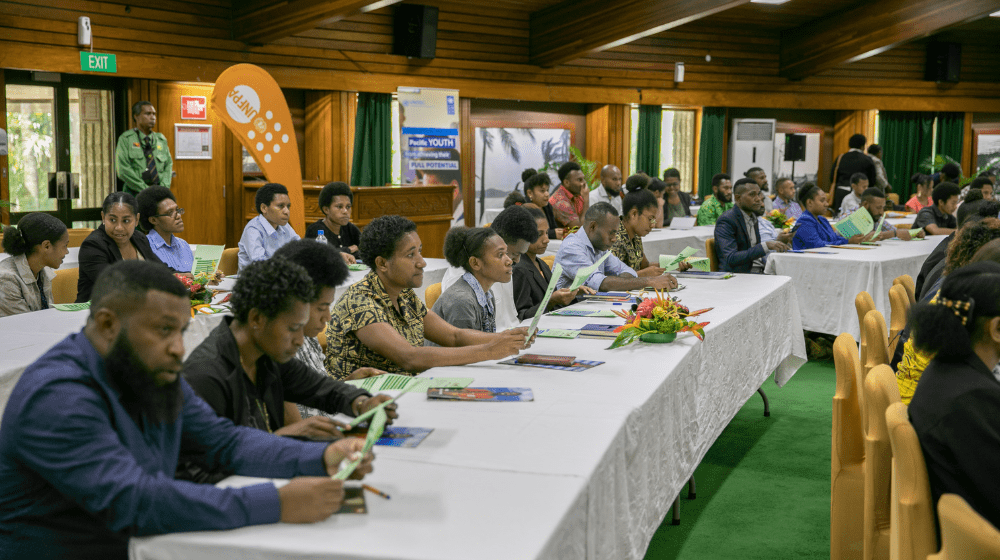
{"x":664,"y":241}
{"x":586,"y":471}
{"x":826,"y":284}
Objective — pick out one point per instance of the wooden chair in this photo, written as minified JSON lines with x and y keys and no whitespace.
{"x":847,"y":456}
{"x":899,"y":308}
{"x":906,"y":281}
{"x":880,"y":392}
{"x":432,"y":294}
{"x":77,"y":235}
{"x":321,"y":338}
{"x":911,"y":531}
{"x":965,"y":535}
{"x":713,"y":258}
{"x":874,"y":341}
{"x":549,"y":260}
{"x":64,"y":285}
{"x":229,"y":264}
{"x":894,"y":197}
{"x":863,"y":303}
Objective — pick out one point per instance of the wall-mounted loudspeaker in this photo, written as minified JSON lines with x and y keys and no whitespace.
{"x":944,"y":62}
{"x":415,"y":30}
{"x":795,"y":147}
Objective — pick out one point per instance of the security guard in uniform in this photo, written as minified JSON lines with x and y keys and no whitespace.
{"x":142,"y":158}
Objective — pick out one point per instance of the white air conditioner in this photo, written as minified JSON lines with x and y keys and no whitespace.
{"x":751,"y":145}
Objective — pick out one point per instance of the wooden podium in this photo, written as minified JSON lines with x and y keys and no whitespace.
{"x":429,"y":207}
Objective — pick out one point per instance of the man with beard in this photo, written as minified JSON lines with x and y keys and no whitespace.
{"x":737,"y":235}
{"x":873,"y":201}
{"x":610,"y":190}
{"x":722,"y":200}
{"x":93,"y":429}
{"x":759,"y":176}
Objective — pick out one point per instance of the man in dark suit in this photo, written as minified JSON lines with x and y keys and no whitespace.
{"x":737,"y":235}
{"x":854,"y":160}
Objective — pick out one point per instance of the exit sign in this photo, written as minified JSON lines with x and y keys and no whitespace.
{"x":98,"y":62}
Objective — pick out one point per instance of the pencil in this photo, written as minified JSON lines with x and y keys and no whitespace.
{"x":376,"y":491}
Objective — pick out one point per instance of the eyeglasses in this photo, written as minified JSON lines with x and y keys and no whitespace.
{"x":176,"y":212}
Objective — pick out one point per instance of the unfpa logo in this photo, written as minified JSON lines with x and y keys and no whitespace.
{"x":242,"y":104}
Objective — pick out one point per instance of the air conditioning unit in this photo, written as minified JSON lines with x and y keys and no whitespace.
{"x":751,"y":145}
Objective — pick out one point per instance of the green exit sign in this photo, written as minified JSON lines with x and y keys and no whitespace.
{"x":98,"y":62}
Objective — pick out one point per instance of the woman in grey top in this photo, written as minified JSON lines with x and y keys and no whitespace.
{"x":468,"y":304}
{"x":36,"y":245}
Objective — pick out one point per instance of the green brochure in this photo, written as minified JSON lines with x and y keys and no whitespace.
{"x":375,"y":429}
{"x":913,"y":234}
{"x":583,"y":313}
{"x":72,"y":306}
{"x":357,"y":267}
{"x":584,"y":274}
{"x":859,"y":222}
{"x":558,"y":333}
{"x":409,"y":384}
{"x":206,"y":258}
{"x":670,"y":262}
{"x":556,"y":273}
{"x":362,"y":417}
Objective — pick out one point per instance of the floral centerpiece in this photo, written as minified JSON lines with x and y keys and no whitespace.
{"x":779,"y":220}
{"x":658,"y":319}
{"x":197,"y":290}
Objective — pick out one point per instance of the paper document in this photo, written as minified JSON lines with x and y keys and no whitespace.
{"x":371,"y":413}
{"x":375,"y":428}
{"x":584,"y":273}
{"x":72,"y":306}
{"x":670,"y":262}
{"x":206,"y":258}
{"x":881,"y":221}
{"x":558,"y":333}
{"x":859,"y":222}
{"x":556,"y":274}
{"x":407,"y":383}
{"x":683,"y":222}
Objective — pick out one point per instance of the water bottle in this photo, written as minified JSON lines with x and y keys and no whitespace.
{"x":320,"y":237}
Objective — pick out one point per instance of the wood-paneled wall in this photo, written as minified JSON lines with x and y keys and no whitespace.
{"x":608,"y":129}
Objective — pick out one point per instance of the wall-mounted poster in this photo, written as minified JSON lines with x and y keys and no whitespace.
{"x":192,"y":141}
{"x":429,"y":123}
{"x":194,"y":107}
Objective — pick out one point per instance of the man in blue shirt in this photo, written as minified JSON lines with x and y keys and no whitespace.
{"x":92,"y":432}
{"x":585,"y":247}
{"x":267,"y":232}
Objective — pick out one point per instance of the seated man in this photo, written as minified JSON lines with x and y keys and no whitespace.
{"x":532,"y":276}
{"x":93,"y":429}
{"x":720,"y":201}
{"x":571,"y":199}
{"x":267,"y":232}
{"x":873,"y":201}
{"x":516,"y":228}
{"x":588,"y":245}
{"x":974,"y":210}
{"x":759,"y":176}
{"x":937,"y":218}
{"x":851,"y":202}
{"x":379,"y":322}
{"x":246,"y":368}
{"x":785,"y":201}
{"x":610,"y":190}
{"x":737,"y":234}
{"x":161,"y":218}
{"x":335,"y":202}
{"x":673,"y":203}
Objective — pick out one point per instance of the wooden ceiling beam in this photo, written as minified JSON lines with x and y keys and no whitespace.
{"x":870,"y":29}
{"x":266,"y":22}
{"x":574,"y":28}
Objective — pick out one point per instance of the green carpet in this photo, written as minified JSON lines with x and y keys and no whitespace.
{"x":764,"y":486}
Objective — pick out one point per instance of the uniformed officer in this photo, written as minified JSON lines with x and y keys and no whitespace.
{"x":142,"y":157}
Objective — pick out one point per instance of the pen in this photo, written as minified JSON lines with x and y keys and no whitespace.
{"x":376,"y":491}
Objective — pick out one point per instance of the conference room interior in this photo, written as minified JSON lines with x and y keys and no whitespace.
{"x":642,"y":85}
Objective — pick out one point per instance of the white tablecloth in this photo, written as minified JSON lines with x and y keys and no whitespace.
{"x":827,"y":284}
{"x":586,"y":471}
{"x":664,"y":241}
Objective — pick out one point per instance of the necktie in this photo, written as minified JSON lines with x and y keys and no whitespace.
{"x":149,"y":175}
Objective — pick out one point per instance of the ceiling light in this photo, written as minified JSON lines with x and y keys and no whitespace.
{"x":994,"y":14}
{"x":774,"y":2}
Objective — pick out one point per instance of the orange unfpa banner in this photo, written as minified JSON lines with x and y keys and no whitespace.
{"x":254,"y":108}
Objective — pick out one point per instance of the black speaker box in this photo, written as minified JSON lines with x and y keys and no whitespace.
{"x":795,"y":147}
{"x":944,"y":62}
{"x":415,"y":30}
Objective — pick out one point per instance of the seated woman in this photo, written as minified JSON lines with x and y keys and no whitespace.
{"x":922,"y":197}
{"x":536,"y":189}
{"x":468,"y":303}
{"x":116,"y":239}
{"x":532,"y":276}
{"x":246,"y":368}
{"x":638,"y":215}
{"x":812,"y":229}
{"x":36,"y":245}
{"x":955,"y":410}
{"x":161,"y":218}
{"x":379,"y":322}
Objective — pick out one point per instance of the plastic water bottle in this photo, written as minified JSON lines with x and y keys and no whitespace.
{"x":320,"y":237}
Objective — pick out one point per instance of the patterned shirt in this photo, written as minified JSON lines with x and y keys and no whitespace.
{"x":177,"y":255}
{"x":260,"y":240}
{"x":710,"y":211}
{"x":628,"y":250}
{"x":567,"y":207}
{"x":367,"y":303}
{"x":790,"y":209}
{"x":485,"y":301}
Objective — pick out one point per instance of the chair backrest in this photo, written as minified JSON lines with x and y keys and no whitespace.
{"x":713,"y":258}
{"x":77,"y":235}
{"x":906,"y":281}
{"x":847,"y":455}
{"x":912,"y":534}
{"x":229,"y":263}
{"x":549,"y":260}
{"x":874,"y":341}
{"x":899,"y":308}
{"x":894,"y":197}
{"x":432,"y":294}
{"x":965,"y":535}
{"x":863,"y":303}
{"x":880,"y":392}
{"x":64,"y":285}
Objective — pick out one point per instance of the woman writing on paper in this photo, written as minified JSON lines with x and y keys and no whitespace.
{"x":532,"y":276}
{"x":36,"y":245}
{"x":812,"y":228}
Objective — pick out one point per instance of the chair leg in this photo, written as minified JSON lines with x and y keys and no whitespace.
{"x":692,"y":494}
{"x":677,"y":511}
{"x":767,"y":406}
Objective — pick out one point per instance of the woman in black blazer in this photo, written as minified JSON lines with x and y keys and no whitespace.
{"x":532,"y":275}
{"x":114,"y":240}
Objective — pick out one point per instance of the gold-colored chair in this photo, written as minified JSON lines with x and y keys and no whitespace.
{"x":77,"y":235}
{"x":899,"y":308}
{"x":549,"y":260}
{"x":321,"y":338}
{"x":965,"y":535}
{"x":874,"y":341}
{"x":880,"y":392}
{"x":432,"y":294}
{"x":906,"y":281}
{"x":894,"y":197}
{"x":863,"y":303}
{"x":713,"y":258}
{"x":64,"y":285}
{"x":847,"y":456}
{"x":229,"y":263}
{"x":911,"y":531}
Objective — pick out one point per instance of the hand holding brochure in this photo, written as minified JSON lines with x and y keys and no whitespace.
{"x":859,"y":222}
{"x":556,"y":273}
{"x":584,"y":273}
{"x":206,"y":258}
{"x":668,"y":263}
